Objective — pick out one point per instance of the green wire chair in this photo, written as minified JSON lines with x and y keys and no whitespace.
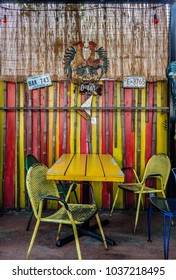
{"x":63,"y":187}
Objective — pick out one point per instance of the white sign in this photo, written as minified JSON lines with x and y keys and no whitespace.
{"x":39,"y":81}
{"x":134,"y":82}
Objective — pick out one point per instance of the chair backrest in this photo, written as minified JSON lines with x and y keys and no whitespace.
{"x":158,"y":164}
{"x":29,"y":161}
{"x":38,"y":186}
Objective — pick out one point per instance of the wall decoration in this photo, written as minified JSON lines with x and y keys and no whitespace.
{"x":134,"y":82}
{"x":85,"y":112}
{"x":81,"y":68}
{"x":89,"y":88}
{"x":39,"y":81}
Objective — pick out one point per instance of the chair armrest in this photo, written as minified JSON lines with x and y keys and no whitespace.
{"x":158,"y":176}
{"x":55,"y":198}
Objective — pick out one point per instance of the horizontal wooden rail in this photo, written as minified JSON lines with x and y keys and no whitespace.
{"x":122,"y":108}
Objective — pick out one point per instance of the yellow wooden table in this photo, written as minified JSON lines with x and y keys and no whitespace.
{"x":86,"y":168}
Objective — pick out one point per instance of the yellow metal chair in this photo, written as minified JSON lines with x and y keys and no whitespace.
{"x":39,"y":190}
{"x":158,"y":167}
{"x":62,"y":187}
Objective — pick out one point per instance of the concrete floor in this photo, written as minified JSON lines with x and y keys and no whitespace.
{"x":14,"y":239}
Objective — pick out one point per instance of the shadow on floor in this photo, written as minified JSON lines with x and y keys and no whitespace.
{"x":14,"y":239}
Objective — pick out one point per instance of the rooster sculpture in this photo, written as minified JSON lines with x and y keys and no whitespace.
{"x":92,"y":68}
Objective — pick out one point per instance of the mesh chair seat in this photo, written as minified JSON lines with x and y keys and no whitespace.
{"x":136,"y":188}
{"x":81,"y":213}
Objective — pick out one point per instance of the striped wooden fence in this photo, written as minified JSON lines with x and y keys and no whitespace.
{"x":130,"y":124}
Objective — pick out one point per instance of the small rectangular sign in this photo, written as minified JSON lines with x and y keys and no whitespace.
{"x":39,"y":81}
{"x":134,"y":82}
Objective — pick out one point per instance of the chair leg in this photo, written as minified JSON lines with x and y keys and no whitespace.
{"x":166,"y":236}
{"x":137,"y":213}
{"x":33,"y":239}
{"x":76,"y":196}
{"x":77,"y":241}
{"x":149,"y":222}
{"x":58,"y":235}
{"x":101,"y":230}
{"x":115,"y":199}
{"x":29,"y":222}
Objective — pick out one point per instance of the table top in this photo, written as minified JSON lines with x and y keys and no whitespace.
{"x":86,"y":167}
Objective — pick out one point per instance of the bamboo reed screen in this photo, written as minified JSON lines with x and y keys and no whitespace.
{"x":34,"y":41}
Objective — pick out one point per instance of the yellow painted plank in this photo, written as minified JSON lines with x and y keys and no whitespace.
{"x":94,"y":126}
{"x":111,"y":168}
{"x":161,"y":119}
{"x":57,"y":125}
{"x":143,"y":131}
{"x":77,"y":166}
{"x":21,"y":148}
{"x":60,"y":166}
{"x":94,"y":167}
{"x":72,"y":119}
{"x":78,"y":123}
{"x":50,"y":124}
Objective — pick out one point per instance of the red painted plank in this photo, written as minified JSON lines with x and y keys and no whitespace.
{"x":148,"y":151}
{"x":68,"y":122}
{"x":129,"y":140}
{"x":103,"y":120}
{"x":9,"y":170}
{"x":61,"y":118}
{"x":83,"y":133}
{"x":35,"y":124}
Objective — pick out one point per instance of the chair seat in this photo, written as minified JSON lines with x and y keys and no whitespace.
{"x":166,"y":205}
{"x":136,"y":188}
{"x":81,"y":214}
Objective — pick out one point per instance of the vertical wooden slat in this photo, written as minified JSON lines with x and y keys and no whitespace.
{"x":21,"y":164}
{"x":17,"y":158}
{"x":42,"y":155}
{"x":65,"y":119}
{"x":68,"y":102}
{"x":61,"y":118}
{"x":9,"y":168}
{"x":51,"y":132}
{"x":38,"y":125}
{"x":2,"y":117}
{"x":45,"y":122}
{"x":148,"y":140}
{"x":129,"y":139}
{"x":34,"y":123}
{"x":154,"y":135}
{"x":57,"y":119}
